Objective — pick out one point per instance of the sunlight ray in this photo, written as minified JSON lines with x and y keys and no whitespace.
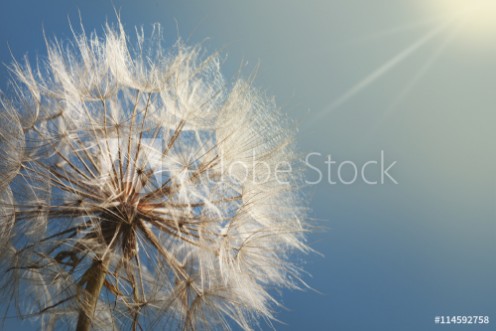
{"x":396,"y":30}
{"x":423,"y":70}
{"x":378,"y":73}
{"x":417,"y":77}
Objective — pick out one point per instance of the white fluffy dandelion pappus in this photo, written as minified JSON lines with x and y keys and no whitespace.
{"x":117,"y":208}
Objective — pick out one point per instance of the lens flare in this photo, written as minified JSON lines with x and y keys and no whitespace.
{"x":476,"y":19}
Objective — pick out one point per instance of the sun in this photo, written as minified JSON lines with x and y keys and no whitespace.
{"x":475,"y":20}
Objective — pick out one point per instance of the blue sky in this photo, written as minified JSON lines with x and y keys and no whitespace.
{"x":361,"y":77}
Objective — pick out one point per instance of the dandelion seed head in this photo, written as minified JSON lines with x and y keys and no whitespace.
{"x":139,"y":189}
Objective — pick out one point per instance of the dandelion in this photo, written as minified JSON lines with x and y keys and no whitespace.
{"x":139,"y":191}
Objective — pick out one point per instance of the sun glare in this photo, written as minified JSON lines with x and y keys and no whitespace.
{"x":475,"y":19}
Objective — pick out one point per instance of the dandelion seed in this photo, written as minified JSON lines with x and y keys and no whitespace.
{"x":123,"y":205}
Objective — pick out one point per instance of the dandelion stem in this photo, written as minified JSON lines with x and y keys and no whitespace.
{"x":94,"y":278}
